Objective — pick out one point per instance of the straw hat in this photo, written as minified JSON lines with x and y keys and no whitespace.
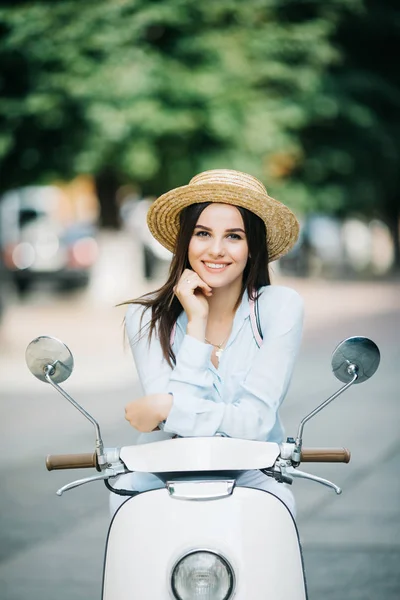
{"x":226,"y":187}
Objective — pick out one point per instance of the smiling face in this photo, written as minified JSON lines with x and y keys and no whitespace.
{"x":218,"y":249}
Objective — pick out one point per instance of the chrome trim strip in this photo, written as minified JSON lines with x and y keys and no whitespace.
{"x":200,"y":490}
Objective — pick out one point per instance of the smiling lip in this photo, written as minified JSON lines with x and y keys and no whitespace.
{"x":215,"y":269}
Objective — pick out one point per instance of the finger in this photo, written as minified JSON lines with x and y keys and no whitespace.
{"x":193,"y":280}
{"x":187,"y":277}
{"x":186,"y":286}
{"x":187,"y":273}
{"x":205,"y":288}
{"x":129,"y":416}
{"x":199,"y":282}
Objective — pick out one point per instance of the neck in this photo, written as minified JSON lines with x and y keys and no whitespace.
{"x":222,"y":303}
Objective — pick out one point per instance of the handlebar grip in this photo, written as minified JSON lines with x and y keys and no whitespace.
{"x":71,"y":461}
{"x":325,"y":455}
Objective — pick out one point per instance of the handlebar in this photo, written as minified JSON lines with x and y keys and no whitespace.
{"x":331,"y":455}
{"x":284,"y":470}
{"x":89,"y":460}
{"x":71,"y":461}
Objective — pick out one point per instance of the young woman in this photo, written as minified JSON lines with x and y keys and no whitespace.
{"x":215,"y":346}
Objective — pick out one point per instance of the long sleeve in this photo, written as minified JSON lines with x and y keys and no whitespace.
{"x":190,"y":382}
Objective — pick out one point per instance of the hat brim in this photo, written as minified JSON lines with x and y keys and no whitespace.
{"x":281,"y":224}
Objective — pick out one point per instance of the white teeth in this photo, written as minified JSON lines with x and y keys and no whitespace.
{"x":214,"y":266}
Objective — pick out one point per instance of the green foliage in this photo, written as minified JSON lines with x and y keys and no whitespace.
{"x":353,"y":144}
{"x":153,"y":91}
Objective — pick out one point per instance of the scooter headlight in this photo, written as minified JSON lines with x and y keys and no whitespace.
{"x":202,"y":574}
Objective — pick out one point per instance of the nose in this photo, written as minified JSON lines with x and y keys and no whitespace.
{"x":217,"y":247}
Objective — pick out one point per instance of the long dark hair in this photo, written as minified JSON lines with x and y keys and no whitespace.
{"x":165,"y":306}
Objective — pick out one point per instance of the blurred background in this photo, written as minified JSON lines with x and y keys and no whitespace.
{"x":103,"y":106}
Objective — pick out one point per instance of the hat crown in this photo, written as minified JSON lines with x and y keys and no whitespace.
{"x":229,"y":177}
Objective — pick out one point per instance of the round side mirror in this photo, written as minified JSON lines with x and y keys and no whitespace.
{"x":47,"y":351}
{"x":361,"y":352}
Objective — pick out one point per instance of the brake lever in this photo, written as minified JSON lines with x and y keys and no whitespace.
{"x":291,"y":472}
{"x":284,"y":473}
{"x":106,"y":474}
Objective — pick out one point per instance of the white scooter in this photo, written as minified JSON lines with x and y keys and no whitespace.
{"x":214,"y":540}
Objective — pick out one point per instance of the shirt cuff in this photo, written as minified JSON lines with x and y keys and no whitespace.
{"x":179,"y":418}
{"x":193,"y":416}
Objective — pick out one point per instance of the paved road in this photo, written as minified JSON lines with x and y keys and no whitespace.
{"x":53,"y":547}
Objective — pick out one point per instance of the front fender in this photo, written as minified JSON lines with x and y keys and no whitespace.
{"x":251,"y":528}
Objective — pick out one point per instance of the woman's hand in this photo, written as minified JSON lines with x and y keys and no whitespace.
{"x":191,"y":292}
{"x":145,"y":413}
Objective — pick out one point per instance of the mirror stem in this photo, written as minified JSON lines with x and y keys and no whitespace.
{"x":101,"y":459}
{"x":352,"y":370}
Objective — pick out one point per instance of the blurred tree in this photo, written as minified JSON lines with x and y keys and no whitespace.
{"x":155,"y":91}
{"x":351,"y":146}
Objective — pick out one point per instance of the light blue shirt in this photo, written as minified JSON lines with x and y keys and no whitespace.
{"x":242,"y":397}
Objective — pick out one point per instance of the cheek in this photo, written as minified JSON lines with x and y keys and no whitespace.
{"x":242,"y":255}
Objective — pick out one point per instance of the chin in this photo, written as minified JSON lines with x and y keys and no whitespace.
{"x":217,"y":283}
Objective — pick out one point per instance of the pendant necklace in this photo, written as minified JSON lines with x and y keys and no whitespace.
{"x":219,"y":346}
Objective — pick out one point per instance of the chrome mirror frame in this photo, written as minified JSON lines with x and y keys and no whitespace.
{"x":354,"y":360}
{"x":361,"y":352}
{"x":51,"y":361}
{"x":47,"y":356}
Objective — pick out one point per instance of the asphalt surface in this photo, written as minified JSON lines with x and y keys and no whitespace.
{"x":52,"y":547}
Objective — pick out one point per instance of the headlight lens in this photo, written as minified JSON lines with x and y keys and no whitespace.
{"x":202,"y":574}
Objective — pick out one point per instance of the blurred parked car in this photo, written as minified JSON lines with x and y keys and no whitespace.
{"x":319,"y":249}
{"x":154,"y":254}
{"x":38,"y":242}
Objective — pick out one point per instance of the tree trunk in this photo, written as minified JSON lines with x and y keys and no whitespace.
{"x":106,"y":188}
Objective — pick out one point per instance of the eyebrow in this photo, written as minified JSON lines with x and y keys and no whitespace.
{"x":233,"y":230}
